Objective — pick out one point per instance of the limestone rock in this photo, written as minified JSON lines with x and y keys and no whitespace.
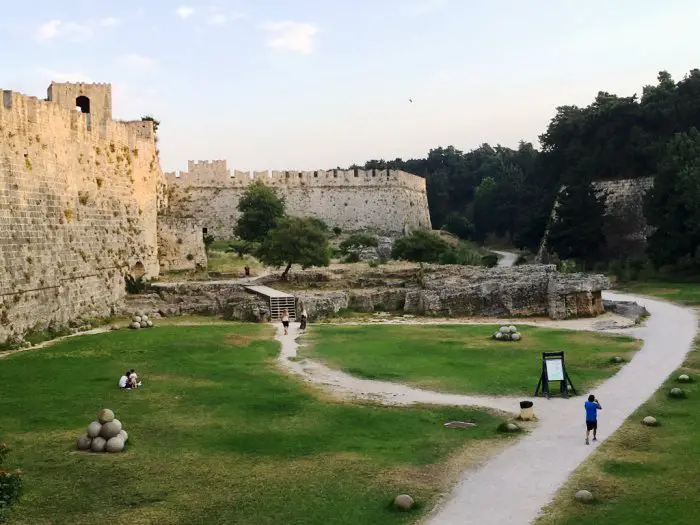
{"x":124,"y":435}
{"x":512,"y":427}
{"x":650,"y":421}
{"x":404,"y":502}
{"x":111,"y":429}
{"x":106,"y":415}
{"x":584,"y":496}
{"x":98,"y":444}
{"x":84,"y":442}
{"x":135,"y":325}
{"x":115,"y":444}
{"x":94,"y":428}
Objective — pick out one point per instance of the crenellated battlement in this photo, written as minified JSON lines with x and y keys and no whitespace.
{"x":215,"y":174}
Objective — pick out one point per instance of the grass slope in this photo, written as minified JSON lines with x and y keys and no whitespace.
{"x":685,"y":293}
{"x":465,"y":359}
{"x":217,"y":435}
{"x":642,"y":475}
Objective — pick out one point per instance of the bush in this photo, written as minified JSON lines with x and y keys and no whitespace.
{"x":419,"y":246}
{"x":337,"y":230}
{"x":464,"y":253}
{"x":489,"y":260}
{"x":459,"y":225}
{"x":134,"y":285}
{"x":357,"y":241}
{"x":352,"y":257}
{"x":242,"y":247}
{"x":10,"y":485}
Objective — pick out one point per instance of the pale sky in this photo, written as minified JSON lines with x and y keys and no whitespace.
{"x":314,"y":84}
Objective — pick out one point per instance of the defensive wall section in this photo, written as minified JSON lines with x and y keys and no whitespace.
{"x":78,"y":206}
{"x":384,"y":201}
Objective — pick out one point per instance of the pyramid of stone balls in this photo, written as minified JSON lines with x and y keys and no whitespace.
{"x":140,"y":320}
{"x":104,"y":435}
{"x":507,"y":333}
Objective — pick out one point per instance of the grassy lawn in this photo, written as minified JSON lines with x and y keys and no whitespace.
{"x":465,"y":359}
{"x":642,"y":475}
{"x":217,"y":435}
{"x":681,"y":292}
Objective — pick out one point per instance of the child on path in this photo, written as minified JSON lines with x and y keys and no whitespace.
{"x":592,"y":406}
{"x":285,"y":321}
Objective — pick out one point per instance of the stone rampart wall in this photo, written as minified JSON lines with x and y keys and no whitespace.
{"x":78,"y":199}
{"x":385,"y":201}
{"x":180,"y":244}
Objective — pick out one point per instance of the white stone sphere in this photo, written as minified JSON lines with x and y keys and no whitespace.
{"x":649,"y":421}
{"x":144,"y":324}
{"x":515,"y":337}
{"x":684,"y":378}
{"x":504,"y":329}
{"x":149,"y":323}
{"x":404,"y":502}
{"x":111,"y":429}
{"x":512,"y":427}
{"x":84,"y":442}
{"x":106,"y":415}
{"x":677,"y":392}
{"x":98,"y":444}
{"x":124,"y":435}
{"x":144,"y":318}
{"x":584,"y":496}
{"x":94,"y":428}
{"x":137,"y":318}
{"x":115,"y":444}
{"x":135,"y":325}
{"x":512,"y":329}
{"x":140,"y":313}
{"x":499,"y":335}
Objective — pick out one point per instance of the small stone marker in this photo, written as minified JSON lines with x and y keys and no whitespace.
{"x":584,"y":496}
{"x":650,"y":421}
{"x":404,"y":502}
{"x":677,"y":393}
{"x":460,"y":424}
{"x":684,"y":378}
{"x":512,"y":427}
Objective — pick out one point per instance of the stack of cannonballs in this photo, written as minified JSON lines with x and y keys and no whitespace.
{"x":507,"y":333}
{"x":104,"y":435}
{"x":140,"y":320}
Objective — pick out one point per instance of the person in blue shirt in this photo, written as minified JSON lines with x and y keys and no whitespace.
{"x":592,"y":407}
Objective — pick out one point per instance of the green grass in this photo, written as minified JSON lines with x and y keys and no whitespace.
{"x":228,"y":262}
{"x":464,"y":359}
{"x":217,"y":435}
{"x":681,"y":292}
{"x":642,"y":475}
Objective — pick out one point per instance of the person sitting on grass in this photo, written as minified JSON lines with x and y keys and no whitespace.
{"x":124,"y":381}
{"x":134,"y":379}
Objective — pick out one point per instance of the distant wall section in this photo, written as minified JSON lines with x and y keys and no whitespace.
{"x":180,"y":244}
{"x":384,"y":201}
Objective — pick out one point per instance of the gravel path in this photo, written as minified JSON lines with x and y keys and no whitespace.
{"x":507,"y":258}
{"x":512,"y":487}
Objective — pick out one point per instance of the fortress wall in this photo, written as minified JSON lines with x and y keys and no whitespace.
{"x":378,"y":200}
{"x":77,"y":210}
{"x":180,"y":244}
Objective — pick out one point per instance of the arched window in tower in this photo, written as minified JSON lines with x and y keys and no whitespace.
{"x":82,"y":103}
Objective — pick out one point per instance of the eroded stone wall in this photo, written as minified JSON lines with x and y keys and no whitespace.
{"x":389,"y":202}
{"x":78,"y":202}
{"x":180,"y":244}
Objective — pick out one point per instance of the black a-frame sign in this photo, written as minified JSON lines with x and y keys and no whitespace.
{"x":554,"y":369}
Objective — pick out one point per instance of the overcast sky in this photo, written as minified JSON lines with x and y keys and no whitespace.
{"x":314,"y":84}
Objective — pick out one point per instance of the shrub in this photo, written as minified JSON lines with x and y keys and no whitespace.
{"x":134,"y":285}
{"x":357,"y":241}
{"x":10,"y":485}
{"x":419,"y":246}
{"x":489,"y":260}
{"x":337,"y":230}
{"x":242,"y":247}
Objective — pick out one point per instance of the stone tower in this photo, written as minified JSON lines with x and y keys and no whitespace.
{"x":93,"y":99}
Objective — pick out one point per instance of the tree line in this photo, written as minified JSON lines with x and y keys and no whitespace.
{"x":496,"y":191}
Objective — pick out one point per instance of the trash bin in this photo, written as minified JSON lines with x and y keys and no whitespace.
{"x":527,"y":413}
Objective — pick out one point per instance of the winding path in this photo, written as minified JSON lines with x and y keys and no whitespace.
{"x":513,"y":486}
{"x":507,"y":258}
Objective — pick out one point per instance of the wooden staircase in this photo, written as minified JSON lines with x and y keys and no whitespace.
{"x":278,"y":302}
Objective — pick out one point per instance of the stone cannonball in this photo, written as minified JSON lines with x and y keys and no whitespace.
{"x":135,"y":325}
{"x":649,"y":421}
{"x":111,"y":429}
{"x":137,"y":319}
{"x":684,"y":378}
{"x":144,"y":324}
{"x":404,"y":502}
{"x":144,"y":318}
{"x":504,"y":329}
{"x":515,"y":337}
{"x":115,"y":444}
{"x":149,"y":323}
{"x":98,"y":444}
{"x":512,"y":427}
{"x":677,"y":392}
{"x":124,"y":435}
{"x":106,"y":415}
{"x":84,"y":442}
{"x":94,"y":428}
{"x":512,"y":329}
{"x":498,"y":335}
{"x":584,"y":496}
{"x":617,"y":359}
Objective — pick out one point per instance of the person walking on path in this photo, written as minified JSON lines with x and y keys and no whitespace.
{"x":304,"y":318}
{"x":592,"y":406}
{"x":285,"y":321}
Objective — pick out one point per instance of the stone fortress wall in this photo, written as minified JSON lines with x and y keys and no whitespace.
{"x":384,"y":201}
{"x":78,"y":206}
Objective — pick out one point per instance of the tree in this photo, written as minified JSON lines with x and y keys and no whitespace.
{"x":295,"y":240}
{"x":357,"y":241}
{"x":10,"y":485}
{"x":261,"y":208}
{"x":673,"y":204}
{"x":577,"y":231}
{"x":241,"y":247}
{"x":459,"y":225}
{"x":419,"y":246}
